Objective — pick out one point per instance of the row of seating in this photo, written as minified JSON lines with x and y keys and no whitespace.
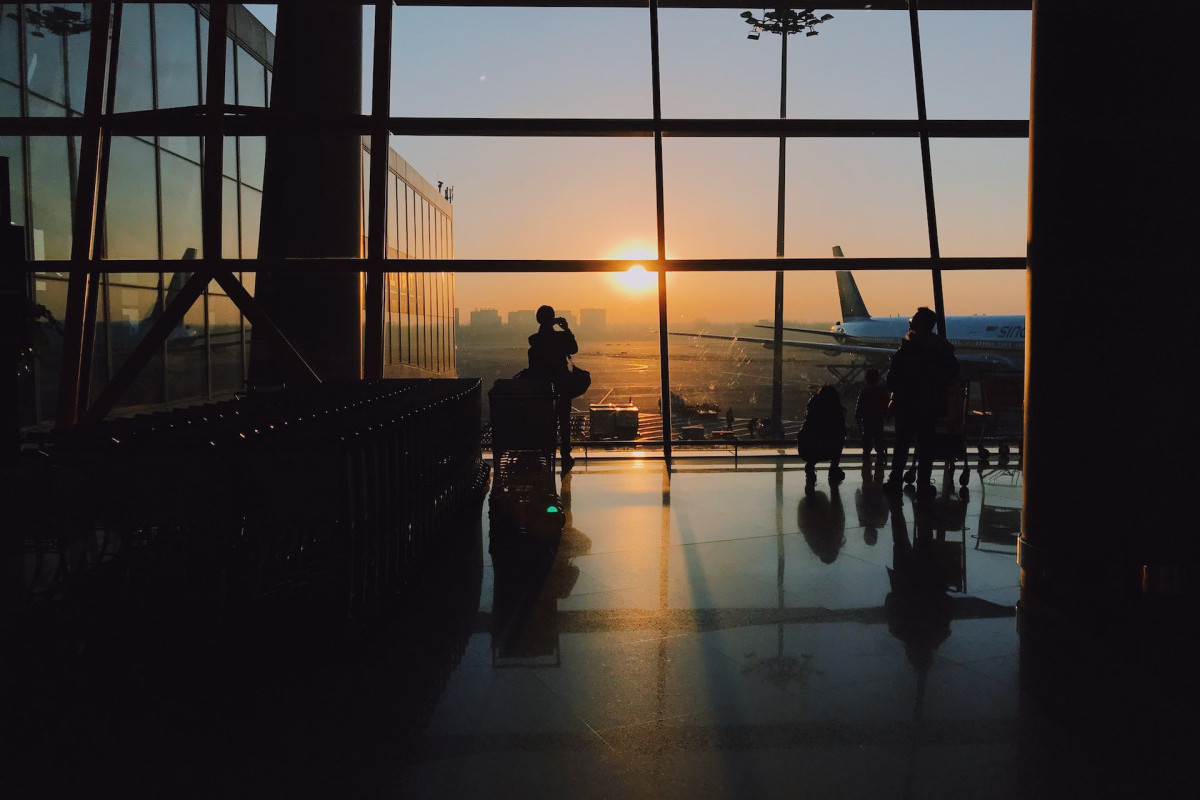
{"x":350,"y":484}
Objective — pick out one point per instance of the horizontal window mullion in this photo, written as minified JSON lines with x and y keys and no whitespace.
{"x":342,"y":265}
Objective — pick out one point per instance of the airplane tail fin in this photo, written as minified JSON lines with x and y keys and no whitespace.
{"x":853,"y":306}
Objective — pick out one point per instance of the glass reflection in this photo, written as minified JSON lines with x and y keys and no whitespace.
{"x":9,"y":44}
{"x":181,"y":225}
{"x":50,"y":195}
{"x":135,"y":86}
{"x":251,"y":80}
{"x":131,"y":216}
{"x":226,"y":338}
{"x":187,"y":363}
{"x":131,"y":312}
{"x":176,"y":57}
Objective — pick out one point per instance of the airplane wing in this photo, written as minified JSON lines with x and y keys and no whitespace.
{"x":831,"y":349}
{"x":813,"y":331}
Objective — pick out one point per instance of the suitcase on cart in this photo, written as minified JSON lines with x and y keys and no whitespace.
{"x":524,"y":502}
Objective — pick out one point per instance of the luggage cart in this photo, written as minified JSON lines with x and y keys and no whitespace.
{"x":524,"y":503}
{"x":949,"y":439}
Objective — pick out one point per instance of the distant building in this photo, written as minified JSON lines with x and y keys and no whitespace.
{"x":593,"y":320}
{"x":525,"y":319}
{"x":485,"y":318}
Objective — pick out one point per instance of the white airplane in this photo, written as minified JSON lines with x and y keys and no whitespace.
{"x":982,"y":342}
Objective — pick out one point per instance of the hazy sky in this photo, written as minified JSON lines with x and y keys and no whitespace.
{"x":522,"y":198}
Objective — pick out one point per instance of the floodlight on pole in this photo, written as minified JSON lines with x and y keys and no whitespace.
{"x":783,"y":21}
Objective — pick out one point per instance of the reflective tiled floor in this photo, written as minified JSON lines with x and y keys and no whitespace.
{"x":716,"y":631}
{"x":722,"y":632}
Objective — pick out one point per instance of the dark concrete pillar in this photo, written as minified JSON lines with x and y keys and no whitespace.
{"x":1110,"y":487}
{"x":312,"y":192}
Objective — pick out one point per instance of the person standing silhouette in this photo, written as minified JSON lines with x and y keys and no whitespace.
{"x":870,"y":412}
{"x":549,"y":350}
{"x":920,"y":372}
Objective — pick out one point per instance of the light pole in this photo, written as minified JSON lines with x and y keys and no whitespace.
{"x":783,"y":21}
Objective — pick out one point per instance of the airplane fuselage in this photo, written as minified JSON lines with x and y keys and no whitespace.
{"x":992,"y":332}
{"x":1000,"y":339}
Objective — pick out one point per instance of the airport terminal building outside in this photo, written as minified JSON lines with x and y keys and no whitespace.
{"x":151,"y":204}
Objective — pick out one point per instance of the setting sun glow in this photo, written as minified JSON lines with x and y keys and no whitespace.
{"x":636,"y":279}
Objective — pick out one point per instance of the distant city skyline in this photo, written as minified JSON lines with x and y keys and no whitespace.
{"x":542,"y":198}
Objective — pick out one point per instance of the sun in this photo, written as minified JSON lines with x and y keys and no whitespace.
{"x":636,"y":279}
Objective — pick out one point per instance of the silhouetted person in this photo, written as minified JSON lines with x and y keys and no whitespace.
{"x":920,"y":372}
{"x":549,"y":350}
{"x":870,"y":412}
{"x":729,"y":419}
{"x":823,"y":434}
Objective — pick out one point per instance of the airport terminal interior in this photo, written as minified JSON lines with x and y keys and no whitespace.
{"x":261,"y":536}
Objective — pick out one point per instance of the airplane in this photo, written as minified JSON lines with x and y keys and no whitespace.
{"x":982,"y":342}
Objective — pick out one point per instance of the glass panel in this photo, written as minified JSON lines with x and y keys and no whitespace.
{"x":45,"y":57}
{"x":709,"y":69}
{"x":10,"y":56}
{"x":976,"y":63}
{"x":253,"y":150}
{"x":10,"y":100}
{"x":132,"y":312}
{"x":410,"y":221}
{"x":181,"y":227}
{"x":579,"y":198}
{"x":230,"y":238}
{"x":224,"y":326}
{"x":251,"y":215}
{"x":187,"y":367}
{"x":135,"y":89}
{"x":866,"y":195}
{"x":203,"y":39}
{"x":393,"y":232}
{"x":177,"y":55}
{"x":131,"y":217}
{"x":50,"y":184}
{"x":981,"y":191}
{"x":252,"y":87}
{"x":599,"y":70}
{"x":1001,"y":292}
{"x":230,"y":74}
{"x":229,"y":162}
{"x":79,"y":43}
